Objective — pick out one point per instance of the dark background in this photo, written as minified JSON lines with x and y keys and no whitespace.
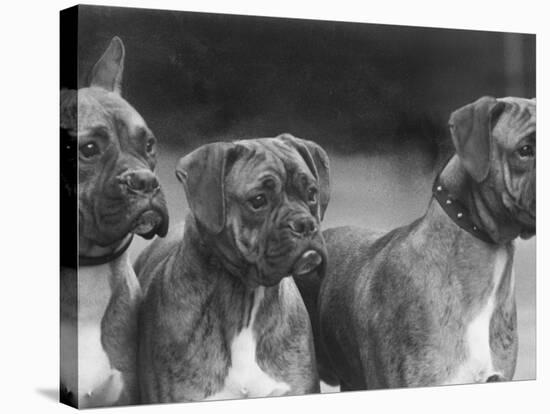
{"x":377,"y":97}
{"x":349,"y":86}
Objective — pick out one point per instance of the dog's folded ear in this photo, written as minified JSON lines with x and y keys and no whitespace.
{"x":471,"y":128}
{"x":107,"y":72}
{"x":202,"y":173}
{"x":317,"y":160}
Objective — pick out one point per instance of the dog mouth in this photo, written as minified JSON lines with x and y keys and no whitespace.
{"x":147,"y":222}
{"x":306,"y":259}
{"x":306,"y":263}
{"x":144,"y":216}
{"x":277,"y":255}
{"x":151,"y":221}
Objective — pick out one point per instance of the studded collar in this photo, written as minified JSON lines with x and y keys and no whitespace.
{"x":457,"y":211}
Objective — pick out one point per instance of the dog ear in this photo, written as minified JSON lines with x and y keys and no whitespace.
{"x":317,"y":160}
{"x":471,"y":128}
{"x":202,"y":173}
{"x":107,"y":72}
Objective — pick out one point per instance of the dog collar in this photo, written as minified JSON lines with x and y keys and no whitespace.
{"x":84,"y":261}
{"x":457,"y":211}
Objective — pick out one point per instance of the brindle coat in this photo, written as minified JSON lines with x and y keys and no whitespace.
{"x":201,"y":285}
{"x":429,"y":303}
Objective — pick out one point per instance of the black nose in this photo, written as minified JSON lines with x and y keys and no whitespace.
{"x":140,"y":181}
{"x":303,"y":226}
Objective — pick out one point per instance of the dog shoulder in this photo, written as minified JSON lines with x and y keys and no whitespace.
{"x":166,"y":301}
{"x":149,"y":261}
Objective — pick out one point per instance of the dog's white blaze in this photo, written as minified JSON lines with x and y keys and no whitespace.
{"x":98,"y":383}
{"x":478,"y":365}
{"x":245,"y":378}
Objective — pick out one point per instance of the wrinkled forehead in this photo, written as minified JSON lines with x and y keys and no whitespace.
{"x":102,"y":109}
{"x":518,"y":119}
{"x":264,"y":158}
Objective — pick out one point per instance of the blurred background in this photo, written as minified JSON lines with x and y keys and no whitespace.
{"x":377,"y":97}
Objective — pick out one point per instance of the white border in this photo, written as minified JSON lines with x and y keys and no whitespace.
{"x":29,"y":292}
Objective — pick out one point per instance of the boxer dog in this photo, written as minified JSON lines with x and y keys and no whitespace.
{"x":432,"y":303}
{"x":118,"y":196}
{"x":221,"y":317}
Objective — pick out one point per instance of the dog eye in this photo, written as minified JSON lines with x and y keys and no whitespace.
{"x":312,"y":195}
{"x":150,"y":145}
{"x":89,"y":150}
{"x":258,"y":201}
{"x":527,"y":151}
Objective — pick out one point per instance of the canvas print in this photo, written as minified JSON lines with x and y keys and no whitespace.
{"x":262,"y":207}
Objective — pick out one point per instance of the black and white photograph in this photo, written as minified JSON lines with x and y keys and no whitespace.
{"x":258,"y":206}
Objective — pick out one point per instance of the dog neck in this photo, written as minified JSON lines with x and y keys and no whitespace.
{"x":217,"y":253}
{"x":102,"y":270}
{"x":484,"y":209}
{"x":91,"y":254}
{"x":205,"y":269}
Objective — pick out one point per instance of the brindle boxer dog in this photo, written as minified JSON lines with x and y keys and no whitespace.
{"x":433,"y":302}
{"x":221,"y":318}
{"x":118,"y":196}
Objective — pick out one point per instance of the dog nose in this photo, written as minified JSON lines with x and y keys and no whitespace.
{"x":140,"y":181}
{"x":303,"y":226}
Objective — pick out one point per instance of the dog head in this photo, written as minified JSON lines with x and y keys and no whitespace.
{"x":495,"y":140}
{"x":261,"y":201}
{"x":118,"y":192}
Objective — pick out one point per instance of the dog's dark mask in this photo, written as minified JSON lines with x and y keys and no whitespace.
{"x":260,"y":202}
{"x":118,"y":192}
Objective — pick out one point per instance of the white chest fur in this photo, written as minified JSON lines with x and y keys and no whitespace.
{"x":245,"y":378}
{"x":98,"y":383}
{"x":478,"y":365}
